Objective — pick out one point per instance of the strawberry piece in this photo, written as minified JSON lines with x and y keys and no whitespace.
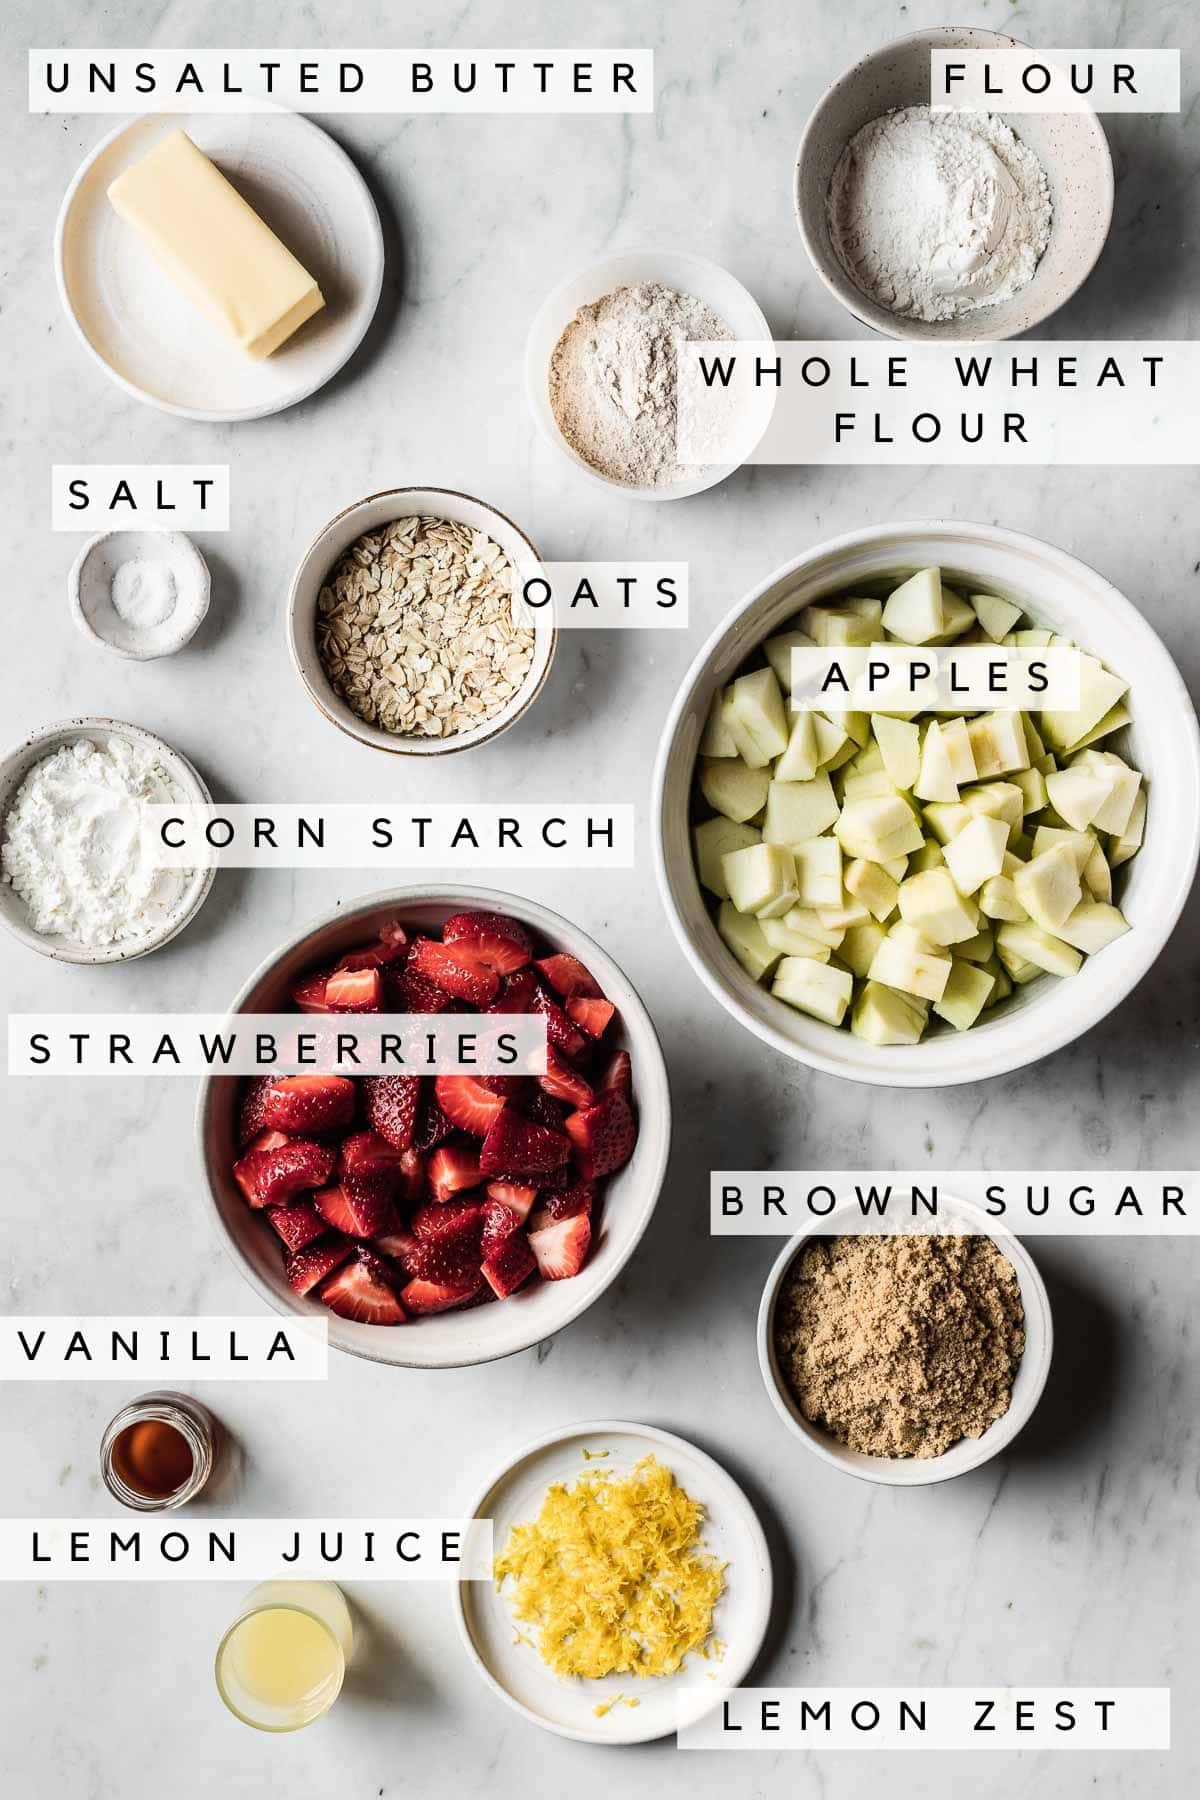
{"x":567,"y":976}
{"x":304,"y":1268}
{"x":592,"y":1016}
{"x":411,"y":992}
{"x":457,"y":1222}
{"x":451,"y":1170}
{"x":472,"y":1101}
{"x":362,"y":1290}
{"x":515,"y":1146}
{"x":399,"y":1246}
{"x":560,"y":1250}
{"x":357,"y":1214}
{"x":455,"y":1263}
{"x":250,"y":1112}
{"x":412,"y":1178}
{"x":543,"y":1108}
{"x":309,"y":1102}
{"x":297,"y":1224}
{"x":456,"y":968}
{"x":508,"y":1266}
{"x":433,"y":1127}
{"x":309,"y":994}
{"x":367,"y":1154}
{"x":563,"y":1082}
{"x":559,"y":1030}
{"x":603,"y":1135}
{"x":563,"y":1203}
{"x":618,"y":1076}
{"x":514,"y":1196}
{"x":275,"y":1167}
{"x":499,"y":942}
{"x":516,"y":993}
{"x":391,"y":949}
{"x":390,"y":1102}
{"x":426,"y":1296}
{"x":499,"y":1224}
{"x":354,"y":990}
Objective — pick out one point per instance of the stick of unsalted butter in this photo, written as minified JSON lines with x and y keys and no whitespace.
{"x":214,"y":246}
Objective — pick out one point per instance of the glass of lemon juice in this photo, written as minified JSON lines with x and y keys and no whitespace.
{"x":281,"y":1663}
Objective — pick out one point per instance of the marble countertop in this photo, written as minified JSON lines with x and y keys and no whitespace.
{"x":1071,"y":1559}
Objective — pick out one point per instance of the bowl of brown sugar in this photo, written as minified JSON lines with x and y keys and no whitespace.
{"x":905,"y":1356}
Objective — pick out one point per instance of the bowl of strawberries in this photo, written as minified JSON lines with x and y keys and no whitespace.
{"x":443,"y":1220}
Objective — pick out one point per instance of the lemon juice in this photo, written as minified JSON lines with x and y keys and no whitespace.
{"x":281,"y":1663}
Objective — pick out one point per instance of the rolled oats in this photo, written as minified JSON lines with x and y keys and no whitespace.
{"x":415,"y":628}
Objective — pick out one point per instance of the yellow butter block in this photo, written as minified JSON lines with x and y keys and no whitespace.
{"x":214,"y":246}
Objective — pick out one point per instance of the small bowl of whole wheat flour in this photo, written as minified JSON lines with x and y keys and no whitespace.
{"x":79,"y":879}
{"x":953,"y":225}
{"x":600,"y":368}
{"x":902,"y":1356}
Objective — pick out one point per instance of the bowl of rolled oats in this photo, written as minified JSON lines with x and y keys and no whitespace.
{"x":407,"y":625}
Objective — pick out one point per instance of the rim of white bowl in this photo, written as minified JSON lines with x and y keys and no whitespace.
{"x":393,"y":743}
{"x":204,"y":415}
{"x":536,"y":370}
{"x":48,"y":737}
{"x":896,"y":1471}
{"x":488,"y":899}
{"x":839,"y":284}
{"x":852,"y":1059}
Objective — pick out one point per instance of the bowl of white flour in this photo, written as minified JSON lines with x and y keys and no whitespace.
{"x":79,"y":879}
{"x":948,"y":225}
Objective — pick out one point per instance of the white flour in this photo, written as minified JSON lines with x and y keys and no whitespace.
{"x":75,"y":849}
{"x":612,"y":380}
{"x":935,"y":214}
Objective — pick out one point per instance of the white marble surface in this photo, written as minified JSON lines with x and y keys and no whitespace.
{"x":1070,"y":1560}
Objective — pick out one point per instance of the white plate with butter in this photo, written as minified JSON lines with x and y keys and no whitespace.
{"x":145,"y":331}
{"x":504,"y":1653}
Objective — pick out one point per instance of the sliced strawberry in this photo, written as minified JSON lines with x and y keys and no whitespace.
{"x":297,"y":1224}
{"x":362,"y":1290}
{"x":412,"y":1179}
{"x":563,"y":1203}
{"x":398,"y":1244}
{"x":559,"y":1030}
{"x":472,"y":1101}
{"x":457,"y":968}
{"x":271,"y":1172}
{"x":309,"y":1102}
{"x":515,"y":1146}
{"x":563,"y":1082}
{"x":592,"y":1016}
{"x":424,"y":1296}
{"x":355,"y":1213}
{"x":308,"y":1266}
{"x":499,"y":942}
{"x":567,"y":976}
{"x":354,"y":990}
{"x":409,"y":991}
{"x":560,"y":1249}
{"x":603,"y":1135}
{"x":430,"y":1261}
{"x":618,"y":1075}
{"x":508,"y":1266}
{"x":391,"y":950}
{"x":390,"y":1102}
{"x":250,"y":1111}
{"x":516,"y":993}
{"x":433,"y":1127}
{"x":309,"y":994}
{"x":543,"y":1108}
{"x":499,"y":1224}
{"x":456,"y":1222}
{"x":514,"y":1196}
{"x":368,"y":1153}
{"x":451,"y":1170}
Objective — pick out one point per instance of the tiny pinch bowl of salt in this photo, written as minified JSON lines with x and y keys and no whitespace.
{"x":934,"y":225}
{"x":78,"y":878}
{"x":142,"y":594}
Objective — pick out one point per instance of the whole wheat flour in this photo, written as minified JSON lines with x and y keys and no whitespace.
{"x":900,"y":1346}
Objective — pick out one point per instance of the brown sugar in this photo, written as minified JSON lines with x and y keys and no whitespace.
{"x":901,"y":1346}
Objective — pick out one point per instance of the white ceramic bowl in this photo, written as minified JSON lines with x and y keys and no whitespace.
{"x":194,"y":883}
{"x":318,"y":561}
{"x":481,"y":1333}
{"x":968,"y":1453}
{"x":90,"y":587}
{"x":687,"y":274}
{"x":515,"y":1672}
{"x":1071,"y":147}
{"x":1056,"y":590}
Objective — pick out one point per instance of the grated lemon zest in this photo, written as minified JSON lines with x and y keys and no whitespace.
{"x":613,"y":1575}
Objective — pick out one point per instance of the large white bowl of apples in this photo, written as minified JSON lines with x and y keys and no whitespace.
{"x":924,"y":899}
{"x":437,"y":1221}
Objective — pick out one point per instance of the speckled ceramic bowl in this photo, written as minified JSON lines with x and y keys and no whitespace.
{"x":1071,"y":147}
